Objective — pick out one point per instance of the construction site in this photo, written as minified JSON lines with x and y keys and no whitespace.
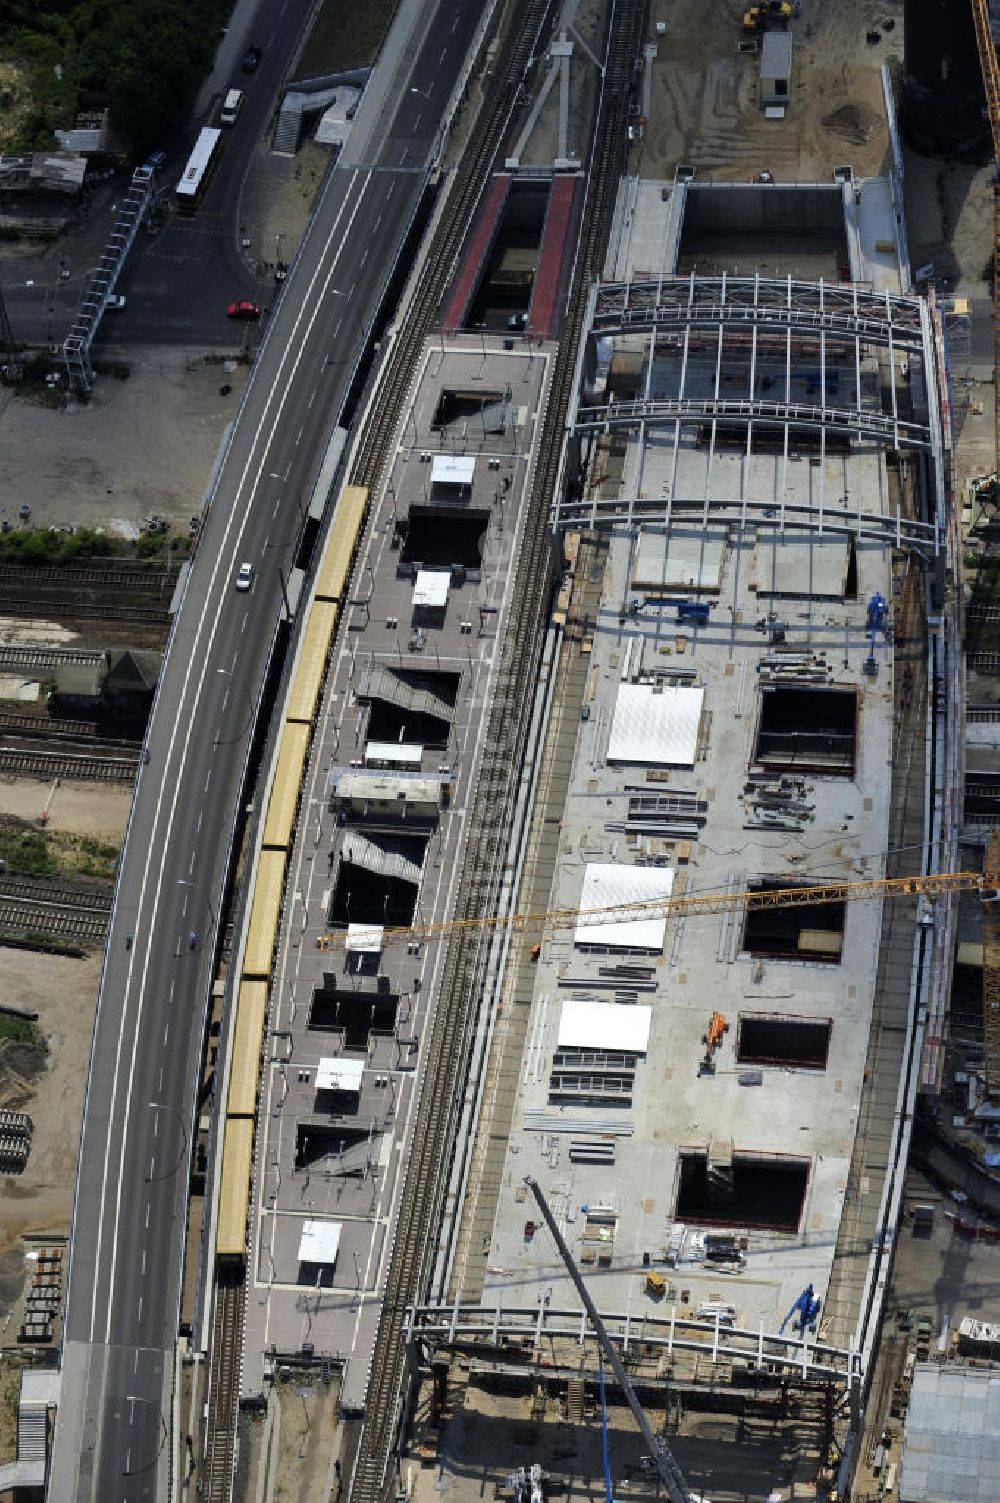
{"x":704,"y":975}
{"x":600,"y":1066}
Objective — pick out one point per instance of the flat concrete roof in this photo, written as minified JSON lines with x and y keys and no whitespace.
{"x":362,"y":1003}
{"x":951,"y":1438}
{"x":634,"y":783}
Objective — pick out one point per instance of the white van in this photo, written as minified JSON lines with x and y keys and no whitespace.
{"x":231,"y":106}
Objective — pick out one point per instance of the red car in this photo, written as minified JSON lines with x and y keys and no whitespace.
{"x":243,"y":310}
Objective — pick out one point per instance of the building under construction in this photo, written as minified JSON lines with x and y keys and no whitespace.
{"x":758,"y":538}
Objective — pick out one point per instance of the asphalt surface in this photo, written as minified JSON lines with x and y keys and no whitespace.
{"x":113,"y":1425}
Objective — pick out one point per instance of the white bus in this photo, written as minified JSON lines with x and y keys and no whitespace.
{"x":200,"y":166}
{"x":231,"y":106}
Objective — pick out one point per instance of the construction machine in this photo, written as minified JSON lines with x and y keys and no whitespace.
{"x":768,"y":13}
{"x":669,"y":1472}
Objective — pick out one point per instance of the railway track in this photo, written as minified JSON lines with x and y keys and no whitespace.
{"x":95,"y":768}
{"x":227,"y":1343}
{"x":433,"y":1139}
{"x":121,"y":581}
{"x":73,"y":608}
{"x":32,"y":889}
{"x":48,"y":919}
{"x":37,"y":659}
{"x":34,"y":725}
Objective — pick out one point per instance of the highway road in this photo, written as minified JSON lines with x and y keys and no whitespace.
{"x":112,"y":1438}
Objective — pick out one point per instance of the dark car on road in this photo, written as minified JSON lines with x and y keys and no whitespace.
{"x":251,"y":59}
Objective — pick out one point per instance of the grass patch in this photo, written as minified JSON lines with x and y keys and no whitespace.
{"x":21,"y":1030}
{"x":29,"y":852}
{"x":345,"y":36}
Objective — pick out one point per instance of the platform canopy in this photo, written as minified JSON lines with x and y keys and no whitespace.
{"x":604,"y":1025}
{"x":340,"y":1075}
{"x":431,"y":588}
{"x":656,"y":725}
{"x":364,"y":939}
{"x":319,"y":1242}
{"x":606,"y":886}
{"x":453,"y":469}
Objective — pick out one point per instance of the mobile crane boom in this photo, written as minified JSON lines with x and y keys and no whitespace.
{"x":669,"y":1472}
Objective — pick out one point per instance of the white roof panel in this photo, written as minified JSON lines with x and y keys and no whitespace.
{"x":432,"y":587}
{"x":604,"y":1025}
{"x":393,"y":754}
{"x":453,"y":469}
{"x":656,"y":725}
{"x":364,"y":939}
{"x":606,"y":886}
{"x":319,"y":1242}
{"x":339,"y":1074}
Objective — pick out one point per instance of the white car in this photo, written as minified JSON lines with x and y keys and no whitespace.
{"x":116,"y":303}
{"x":244,"y":579}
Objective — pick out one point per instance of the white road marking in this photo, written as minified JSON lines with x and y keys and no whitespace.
{"x":337,"y":329}
{"x":298,"y":436}
{"x":312,"y":398}
{"x":269,"y":423}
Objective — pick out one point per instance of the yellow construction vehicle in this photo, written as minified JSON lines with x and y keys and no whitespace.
{"x":768,"y":13}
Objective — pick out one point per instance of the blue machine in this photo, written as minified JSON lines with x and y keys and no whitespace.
{"x":695,"y":611}
{"x":878,"y":614}
{"x":806,"y":1311}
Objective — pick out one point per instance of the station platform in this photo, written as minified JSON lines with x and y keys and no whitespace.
{"x":476,"y":252}
{"x":553,"y":263}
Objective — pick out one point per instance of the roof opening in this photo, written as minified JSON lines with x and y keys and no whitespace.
{"x":813,"y":932}
{"x":754,"y":1190}
{"x":810,"y":730}
{"x":355,"y":1014}
{"x":375,"y":880}
{"x":472,"y":413}
{"x":798,"y":1043}
{"x":442,"y":536}
{"x":407,"y":705}
{"x":334,"y":1148}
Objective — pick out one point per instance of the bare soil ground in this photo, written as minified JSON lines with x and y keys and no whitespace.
{"x":48,"y":1082}
{"x":290,"y":1449}
{"x":49,"y":1087}
{"x":143,"y":445}
{"x":705,"y":108}
{"x":75,"y":809}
